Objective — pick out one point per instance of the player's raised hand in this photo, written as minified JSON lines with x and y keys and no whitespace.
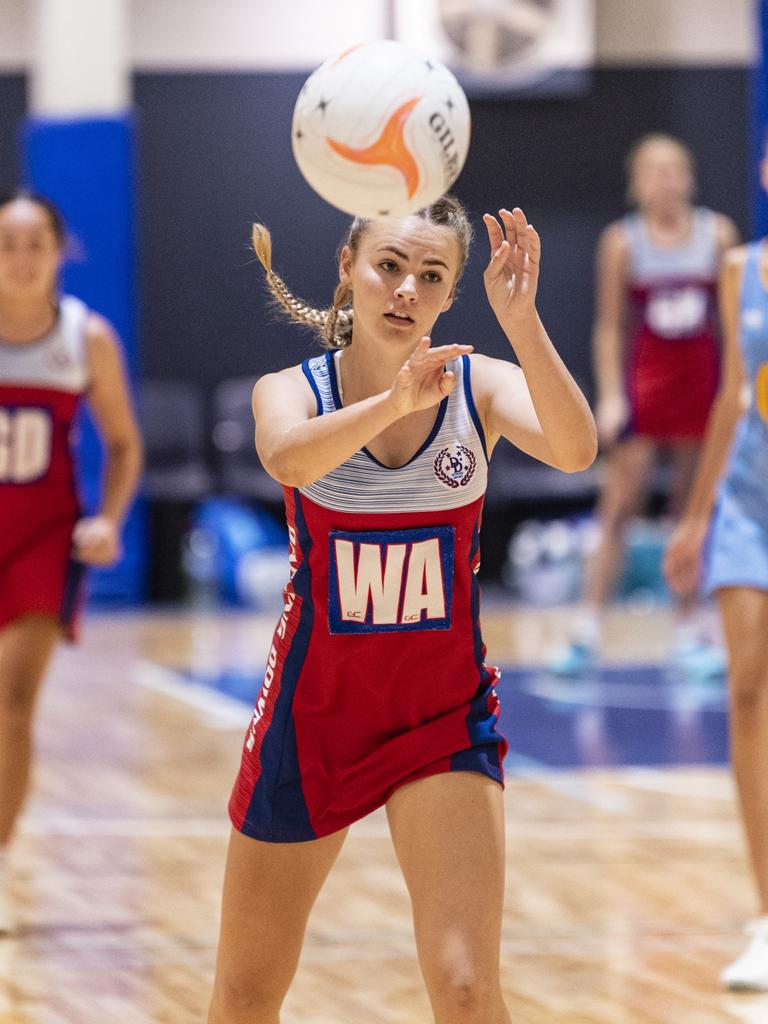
{"x":423,"y":381}
{"x":96,"y":541}
{"x":512,"y":274}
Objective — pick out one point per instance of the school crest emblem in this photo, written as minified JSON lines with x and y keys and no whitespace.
{"x":455,"y":465}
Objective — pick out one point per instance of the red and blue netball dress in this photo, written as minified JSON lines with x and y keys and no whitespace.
{"x":41,"y":384}
{"x":673,"y":357}
{"x":376,"y":672}
{"x":738,"y":543}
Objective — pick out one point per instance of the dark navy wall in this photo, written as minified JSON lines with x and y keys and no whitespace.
{"x":12,"y":110}
{"x":215,"y":153}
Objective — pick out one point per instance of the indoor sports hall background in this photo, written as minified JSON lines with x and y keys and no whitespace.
{"x":192,"y":144}
{"x":161,"y":127}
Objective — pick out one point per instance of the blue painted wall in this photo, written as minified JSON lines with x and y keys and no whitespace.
{"x":87,"y":168}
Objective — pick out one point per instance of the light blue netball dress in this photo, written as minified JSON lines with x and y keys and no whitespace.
{"x":738,"y":553}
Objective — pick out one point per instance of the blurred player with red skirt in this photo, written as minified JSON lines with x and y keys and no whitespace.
{"x":53,"y":352}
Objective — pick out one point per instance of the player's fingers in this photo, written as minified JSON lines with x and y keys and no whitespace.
{"x":91,"y":547}
{"x":447,"y":382}
{"x":101,"y":554}
{"x":495,"y":234}
{"x":453,"y":349}
{"x":420,"y":353}
{"x":528,"y":255}
{"x":669,"y":570}
{"x":533,"y":244}
{"x":681,"y":574}
{"x":511,"y":226}
{"x":438,"y":357}
{"x":498,"y":260}
{"x":682,"y":584}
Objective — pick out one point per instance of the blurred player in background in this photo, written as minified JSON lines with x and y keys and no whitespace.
{"x":53,"y":351}
{"x":656,"y":358}
{"x":733,"y":480}
{"x":376,"y":692}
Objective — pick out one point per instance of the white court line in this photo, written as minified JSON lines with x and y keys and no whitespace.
{"x":218,"y":710}
{"x":656,"y":781}
{"x":600,"y":944}
{"x":118,"y":828}
{"x":576,"y":787}
{"x":375,"y":827}
{"x":638,"y":696}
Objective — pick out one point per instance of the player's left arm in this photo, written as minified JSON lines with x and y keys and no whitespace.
{"x":96,"y":539}
{"x":537,"y":406}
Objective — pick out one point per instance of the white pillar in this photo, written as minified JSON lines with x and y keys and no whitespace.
{"x":79,"y":65}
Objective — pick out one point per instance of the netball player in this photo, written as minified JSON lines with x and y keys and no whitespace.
{"x":376,"y":692}
{"x":656,"y":358}
{"x":732,"y":479}
{"x":53,"y":351}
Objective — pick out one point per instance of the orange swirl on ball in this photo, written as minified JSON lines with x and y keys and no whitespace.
{"x":389,"y":149}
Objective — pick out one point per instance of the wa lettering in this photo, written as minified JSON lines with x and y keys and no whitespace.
{"x":390,"y":584}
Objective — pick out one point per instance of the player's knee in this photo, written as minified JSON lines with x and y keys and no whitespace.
{"x":613,"y":523}
{"x":17,"y":696}
{"x":748,"y":681}
{"x":464,"y":995}
{"x":245,"y":1001}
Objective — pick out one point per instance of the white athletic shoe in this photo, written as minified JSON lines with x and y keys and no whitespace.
{"x":699,"y":661}
{"x":750,"y":972}
{"x":576,"y":660}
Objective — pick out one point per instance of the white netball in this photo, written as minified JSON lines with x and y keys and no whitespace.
{"x":381,"y":130}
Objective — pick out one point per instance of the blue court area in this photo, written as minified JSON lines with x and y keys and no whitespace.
{"x":622,"y":715}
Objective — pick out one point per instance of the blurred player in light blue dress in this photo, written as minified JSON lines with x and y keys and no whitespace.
{"x":726,"y":529}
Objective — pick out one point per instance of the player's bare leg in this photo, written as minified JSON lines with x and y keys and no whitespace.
{"x":685,"y":459}
{"x":627,"y":470}
{"x":26,"y":646}
{"x":745,"y":621}
{"x":448,"y":832}
{"x":694,"y":652}
{"x":269,"y":891}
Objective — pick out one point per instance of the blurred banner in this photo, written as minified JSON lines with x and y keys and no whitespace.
{"x":505,"y":47}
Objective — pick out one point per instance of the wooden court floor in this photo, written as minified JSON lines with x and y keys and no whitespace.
{"x":625,"y":896}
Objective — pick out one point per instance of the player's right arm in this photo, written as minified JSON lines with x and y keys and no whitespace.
{"x":683,"y":558}
{"x":611,"y":269}
{"x":298,"y":447}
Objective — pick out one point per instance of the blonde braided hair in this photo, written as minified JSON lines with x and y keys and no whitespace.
{"x":334,"y":325}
